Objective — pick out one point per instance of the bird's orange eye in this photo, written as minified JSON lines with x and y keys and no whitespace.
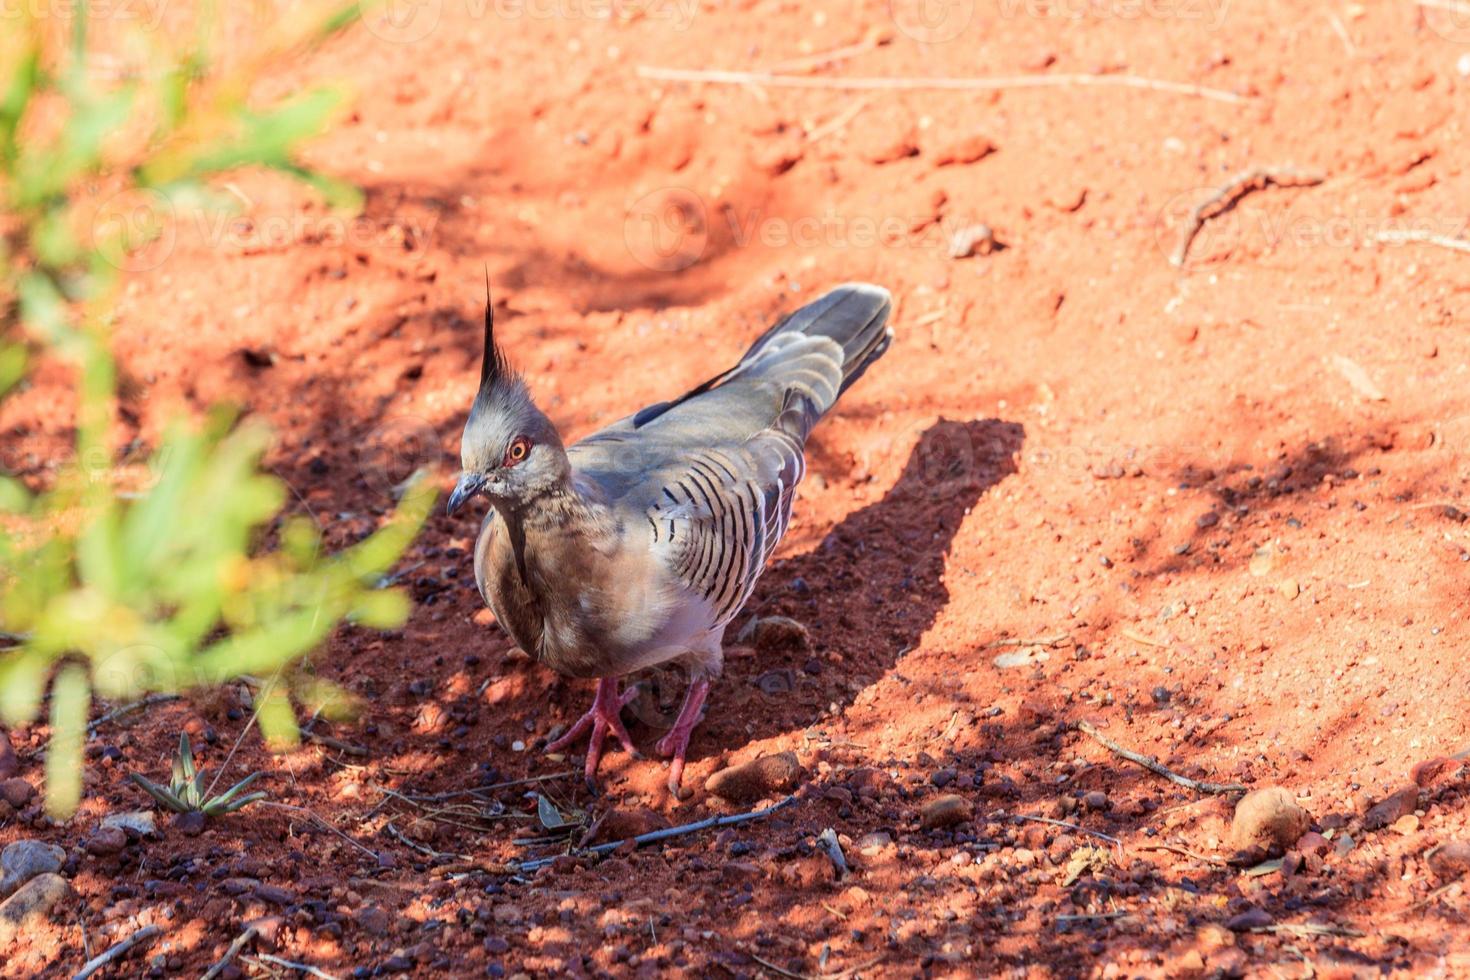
{"x":517,"y":451}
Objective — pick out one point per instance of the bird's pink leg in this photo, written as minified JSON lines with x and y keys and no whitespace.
{"x":676,"y":742}
{"x":604,"y":716}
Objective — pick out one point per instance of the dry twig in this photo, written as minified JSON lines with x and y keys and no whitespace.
{"x":1421,"y":237}
{"x":1228,"y":194}
{"x":941,"y":83}
{"x":1186,"y":852}
{"x":322,"y":820}
{"x":1041,"y":641}
{"x":129,"y":708}
{"x":1154,"y":766}
{"x":668,"y":832}
{"x":240,"y":943}
{"x":117,"y":951}
{"x":1070,"y":826}
{"x":306,"y":968}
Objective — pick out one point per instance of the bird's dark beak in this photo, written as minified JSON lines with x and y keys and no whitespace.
{"x":469,"y":484}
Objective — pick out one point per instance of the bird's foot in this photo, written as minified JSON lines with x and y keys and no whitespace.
{"x":675,"y":744}
{"x":603,"y":717}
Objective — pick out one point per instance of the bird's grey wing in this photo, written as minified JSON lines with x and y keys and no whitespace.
{"x":715,"y":515}
{"x":817,"y":352}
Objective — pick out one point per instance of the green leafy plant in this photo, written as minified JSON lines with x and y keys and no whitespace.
{"x":124,"y":590}
{"x":185,"y":790}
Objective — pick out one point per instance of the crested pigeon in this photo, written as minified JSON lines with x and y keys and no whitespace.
{"x":637,"y":546}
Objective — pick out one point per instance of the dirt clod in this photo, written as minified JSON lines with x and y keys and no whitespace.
{"x":1451,"y":860}
{"x":966,"y":150}
{"x":945,"y":811}
{"x":1269,"y":819}
{"x":1389,"y":810}
{"x":757,"y":778}
{"x":774,"y":634}
{"x":17,"y":792}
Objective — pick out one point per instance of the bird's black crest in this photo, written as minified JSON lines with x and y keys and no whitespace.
{"x":493,"y":365}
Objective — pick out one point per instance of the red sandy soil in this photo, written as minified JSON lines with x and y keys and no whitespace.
{"x":1232,"y":495}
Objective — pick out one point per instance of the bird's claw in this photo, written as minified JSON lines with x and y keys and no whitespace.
{"x":603,"y":718}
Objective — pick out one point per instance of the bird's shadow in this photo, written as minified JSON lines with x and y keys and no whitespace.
{"x":865,"y":595}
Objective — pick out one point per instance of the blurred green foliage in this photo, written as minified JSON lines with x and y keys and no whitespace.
{"x":166,"y":588}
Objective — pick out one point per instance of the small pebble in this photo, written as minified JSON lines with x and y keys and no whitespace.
{"x":1268,"y":818}
{"x":757,"y":778}
{"x":945,"y":811}
{"x":1450,"y":860}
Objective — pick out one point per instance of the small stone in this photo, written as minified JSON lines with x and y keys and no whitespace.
{"x":397,"y":964}
{"x":775,"y":634}
{"x":945,"y":811}
{"x":977,"y":239}
{"x":107,"y":840}
{"x":140,"y":822}
{"x":190,"y":823}
{"x":1268,"y":818}
{"x":757,"y":778}
{"x":35,"y":898}
{"x":17,"y":792}
{"x":1406,"y":825}
{"x":1096,"y":800}
{"x":967,"y":150}
{"x":1314,"y":843}
{"x":275,"y":894}
{"x":26,"y":859}
{"x":1387,"y":811}
{"x":267,"y":928}
{"x":1190,"y":964}
{"x":943,"y":777}
{"x":873,"y":842}
{"x":374,"y":921}
{"x":1215,"y":936}
{"x":1230,"y":963}
{"x":900,"y":146}
{"x":1290,"y":588}
{"x":1249,"y":919}
{"x":1451,"y":860}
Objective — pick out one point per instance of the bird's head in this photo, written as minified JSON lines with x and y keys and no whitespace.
{"x":510,"y":451}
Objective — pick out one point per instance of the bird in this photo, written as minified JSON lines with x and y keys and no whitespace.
{"x":636,"y":546}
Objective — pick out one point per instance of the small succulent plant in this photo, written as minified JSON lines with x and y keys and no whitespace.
{"x":185,"y":791}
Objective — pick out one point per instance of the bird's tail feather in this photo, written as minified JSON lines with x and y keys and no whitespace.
{"x":854,"y":315}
